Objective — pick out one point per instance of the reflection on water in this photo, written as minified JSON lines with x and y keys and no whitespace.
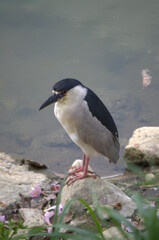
{"x":104,"y":44}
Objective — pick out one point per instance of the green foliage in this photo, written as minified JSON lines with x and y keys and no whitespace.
{"x":151,"y":220}
{"x":9,"y":231}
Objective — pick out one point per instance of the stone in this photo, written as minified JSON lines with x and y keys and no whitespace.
{"x":114,"y":233}
{"x":105,"y":192}
{"x":143,"y":147}
{"x":32,"y":217}
{"x":150,"y":177}
{"x":15,"y":179}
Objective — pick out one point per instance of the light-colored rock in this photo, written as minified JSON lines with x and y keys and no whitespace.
{"x":114,"y":233}
{"x":15,"y":179}
{"x":105,"y":192}
{"x":32,"y":217}
{"x":143,"y":146}
{"x":150,"y":177}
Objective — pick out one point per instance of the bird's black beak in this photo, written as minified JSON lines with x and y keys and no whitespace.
{"x":52,"y":99}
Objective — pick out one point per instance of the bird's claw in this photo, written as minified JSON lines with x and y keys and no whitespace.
{"x":77,"y":170}
{"x":79,"y":176}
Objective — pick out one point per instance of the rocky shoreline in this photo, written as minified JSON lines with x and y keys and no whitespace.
{"x":18,"y":176}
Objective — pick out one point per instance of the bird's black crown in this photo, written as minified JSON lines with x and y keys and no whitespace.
{"x":66,"y":84}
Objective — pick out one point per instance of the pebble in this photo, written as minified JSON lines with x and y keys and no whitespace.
{"x":150,"y":177}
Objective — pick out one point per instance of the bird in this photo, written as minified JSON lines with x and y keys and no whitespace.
{"x":88,"y":123}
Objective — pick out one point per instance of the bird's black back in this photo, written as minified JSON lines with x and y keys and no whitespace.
{"x":99,"y":110}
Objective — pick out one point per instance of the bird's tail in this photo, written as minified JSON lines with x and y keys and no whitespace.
{"x":114,"y":151}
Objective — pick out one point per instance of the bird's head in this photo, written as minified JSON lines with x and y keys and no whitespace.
{"x":60,"y":91}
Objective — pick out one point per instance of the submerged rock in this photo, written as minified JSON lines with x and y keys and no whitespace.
{"x":143,"y":147}
{"x":105,"y":192}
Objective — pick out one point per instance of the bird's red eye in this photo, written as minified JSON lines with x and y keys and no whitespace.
{"x":64,"y":92}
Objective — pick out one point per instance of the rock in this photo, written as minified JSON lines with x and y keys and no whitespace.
{"x":143,"y":147}
{"x":32,"y":217}
{"x":105,"y":192}
{"x":114,"y":233}
{"x":15,"y":179}
{"x":78,"y":222}
{"x":150,"y":177}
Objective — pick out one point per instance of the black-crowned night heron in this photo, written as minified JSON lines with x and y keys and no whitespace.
{"x":87,"y":121}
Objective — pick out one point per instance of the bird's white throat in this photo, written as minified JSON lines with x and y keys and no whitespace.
{"x":67,"y":107}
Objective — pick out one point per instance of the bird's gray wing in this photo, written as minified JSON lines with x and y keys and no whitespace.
{"x":99,"y":110}
{"x":92,"y":132}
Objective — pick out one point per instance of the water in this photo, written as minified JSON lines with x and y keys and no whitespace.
{"x":104,"y":44}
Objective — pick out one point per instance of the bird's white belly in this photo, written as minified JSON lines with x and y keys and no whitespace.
{"x":71,"y":117}
{"x":66,"y":117}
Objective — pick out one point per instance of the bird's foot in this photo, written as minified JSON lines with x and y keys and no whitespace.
{"x":76,"y":170}
{"x":79,"y":176}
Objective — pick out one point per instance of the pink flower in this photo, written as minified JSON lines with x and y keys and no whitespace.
{"x":60,"y":207}
{"x":49,"y":229}
{"x":47,"y":217}
{"x":55,"y":187}
{"x":126,"y":228}
{"x":49,"y":214}
{"x":36,"y":191}
{"x":2,"y":218}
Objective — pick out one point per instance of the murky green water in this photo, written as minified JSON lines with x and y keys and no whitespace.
{"x":103,"y":43}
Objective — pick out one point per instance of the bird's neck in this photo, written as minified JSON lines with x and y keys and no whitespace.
{"x":67,"y":108}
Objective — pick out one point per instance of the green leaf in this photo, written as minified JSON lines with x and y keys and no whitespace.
{"x":81,"y":232}
{"x":93,"y":216}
